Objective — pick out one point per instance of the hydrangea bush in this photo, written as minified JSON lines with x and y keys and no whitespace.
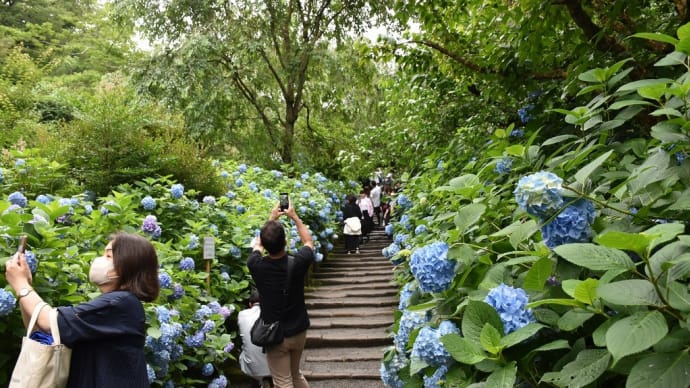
{"x":189,"y":337}
{"x":571,"y":262}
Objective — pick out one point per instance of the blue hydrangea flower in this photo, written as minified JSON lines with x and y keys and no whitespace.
{"x":208,"y":326}
{"x":177,"y":190}
{"x":428,"y":347}
{"x":178,"y":291}
{"x":88,"y":209}
{"x":390,"y":251}
{"x":225,"y":275}
{"x":219,"y":382}
{"x":242,"y":168}
{"x":400,"y":238}
{"x":318,"y":257}
{"x":403,"y":201}
{"x":193,"y":241}
{"x":235,"y":252}
{"x":31,"y":261}
{"x":230,"y":194}
{"x":389,"y":229}
{"x":329,"y":246}
{"x":17,"y":198}
{"x":298,"y":185}
{"x":389,"y":371}
{"x":510,"y":303}
{"x":2,"y":176}
{"x":7,"y":302}
{"x":163,"y":314}
{"x":187,"y":264}
{"x":524,"y":113}
{"x":439,"y":165}
{"x":517,"y":132}
{"x":148,"y":203}
{"x":240,"y":209}
{"x":207,"y":369}
{"x":19,"y":163}
{"x":38,"y":219}
{"x":164,"y":279}
{"x":571,"y":225}
{"x":224,"y":174}
{"x":268,"y":193}
{"x":304,"y":194}
{"x":431,"y":267}
{"x":252,"y":186}
{"x":44,"y":199}
{"x":434,"y":381}
{"x":151,"y":227}
{"x":540,"y":193}
{"x":195,"y":341}
{"x":229,"y":347}
{"x":203,"y":312}
{"x":277,"y":174}
{"x":405,"y":295}
{"x":150,"y":373}
{"x":419,"y":229}
{"x":409,"y":321}
{"x":209,"y":200}
{"x":504,"y":166}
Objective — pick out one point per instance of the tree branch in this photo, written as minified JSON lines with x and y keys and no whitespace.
{"x":592,"y":32}
{"x":683,"y":10}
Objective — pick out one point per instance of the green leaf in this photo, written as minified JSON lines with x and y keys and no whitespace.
{"x":515,"y":150}
{"x":661,"y":370}
{"x":624,"y":103}
{"x":468,"y":215}
{"x":666,"y":112}
{"x":674,"y":58}
{"x":589,"y":365}
{"x":476,"y":315}
{"x":561,"y":302}
{"x":621,"y":240}
{"x":635,"y":333}
{"x":503,"y":377}
{"x":573,"y":319}
{"x":586,"y":291}
{"x":154,"y":332}
{"x":523,"y":232}
{"x":555,"y":345}
{"x":417,"y":364}
{"x":599,"y":335}
{"x":595,"y":257}
{"x":657,"y":36}
{"x":634,"y":292}
{"x":558,"y":139}
{"x":490,"y":339}
{"x":520,"y":334}
{"x":680,"y":268}
{"x":683,"y":31}
{"x":584,"y":173}
{"x":538,"y":274}
{"x":678,"y":296}
{"x":664,"y":255}
{"x":663,"y":233}
{"x":644,"y":83}
{"x":463,"y":350}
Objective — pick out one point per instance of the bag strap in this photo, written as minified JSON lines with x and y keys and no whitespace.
{"x":34,"y":317}
{"x":54,"y":329}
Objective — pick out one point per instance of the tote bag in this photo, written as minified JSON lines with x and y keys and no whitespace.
{"x":42,"y":365}
{"x":353,"y":226}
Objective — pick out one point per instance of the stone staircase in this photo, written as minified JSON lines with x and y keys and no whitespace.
{"x":351,"y":303}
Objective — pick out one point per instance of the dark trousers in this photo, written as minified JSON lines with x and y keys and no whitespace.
{"x":377,"y":211}
{"x":351,"y":242}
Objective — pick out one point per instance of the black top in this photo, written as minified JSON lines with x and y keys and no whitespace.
{"x":107,"y":340}
{"x":270,"y":276}
{"x":351,"y":210}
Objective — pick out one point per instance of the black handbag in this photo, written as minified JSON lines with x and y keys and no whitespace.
{"x":267,"y":334}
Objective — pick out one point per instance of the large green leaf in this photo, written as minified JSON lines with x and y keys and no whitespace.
{"x":463,"y":350}
{"x":669,"y":252}
{"x":584,"y":173}
{"x":538,"y":274}
{"x":520,"y":334}
{"x":661,"y":370}
{"x":573,"y":319}
{"x":503,"y":377}
{"x":586,"y":291}
{"x":586,"y":369}
{"x":490,"y":339}
{"x":622,"y":240}
{"x":678,"y":296}
{"x":634,"y":292}
{"x":663,"y":233}
{"x":635,"y":333}
{"x":656,"y":36}
{"x":468,"y":215}
{"x":476,"y":315}
{"x":595,"y":257}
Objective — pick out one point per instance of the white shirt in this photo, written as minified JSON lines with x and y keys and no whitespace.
{"x":375,"y":196}
{"x":252,"y":359}
{"x":366,"y":205}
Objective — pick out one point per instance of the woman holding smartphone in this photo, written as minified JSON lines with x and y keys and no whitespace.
{"x":107,"y":333}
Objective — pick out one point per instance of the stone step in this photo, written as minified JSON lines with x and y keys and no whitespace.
{"x":381,"y":292}
{"x":338,"y":273}
{"x":381,"y":321}
{"x":358,"y":313}
{"x":344,"y":354}
{"x":356,"y":280}
{"x":344,"y":337}
{"x":327,"y":303}
{"x":345,"y":383}
{"x":374,"y":286}
{"x":341,"y":370}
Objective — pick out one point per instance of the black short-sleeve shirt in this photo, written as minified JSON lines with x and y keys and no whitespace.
{"x":270,"y":276}
{"x":107,"y":339}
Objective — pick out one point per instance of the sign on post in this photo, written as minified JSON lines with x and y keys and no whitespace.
{"x":209,"y":254}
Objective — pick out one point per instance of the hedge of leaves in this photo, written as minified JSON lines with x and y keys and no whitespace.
{"x":563,"y":261}
{"x":190,"y":331}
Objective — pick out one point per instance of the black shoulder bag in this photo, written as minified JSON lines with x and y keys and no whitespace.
{"x":266,"y":334}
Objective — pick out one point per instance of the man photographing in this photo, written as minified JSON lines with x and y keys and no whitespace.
{"x":270,"y":276}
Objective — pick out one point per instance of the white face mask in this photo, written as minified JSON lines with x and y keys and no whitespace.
{"x":98,"y":274}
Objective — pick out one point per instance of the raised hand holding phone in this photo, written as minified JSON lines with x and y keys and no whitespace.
{"x":284,"y":201}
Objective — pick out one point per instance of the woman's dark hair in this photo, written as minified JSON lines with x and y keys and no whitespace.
{"x":351,"y":198}
{"x":136,"y":263}
{"x":273,"y":237}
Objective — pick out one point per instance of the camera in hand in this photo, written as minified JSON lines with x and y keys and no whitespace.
{"x":284,"y":201}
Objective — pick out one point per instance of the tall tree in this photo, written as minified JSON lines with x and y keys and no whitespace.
{"x":263,"y":49}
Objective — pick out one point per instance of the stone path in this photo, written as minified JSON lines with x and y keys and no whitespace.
{"x":350,"y":304}
{"x":351,"y":301}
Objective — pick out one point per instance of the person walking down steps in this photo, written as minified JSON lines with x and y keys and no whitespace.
{"x":270,"y":274}
{"x":353,"y":224}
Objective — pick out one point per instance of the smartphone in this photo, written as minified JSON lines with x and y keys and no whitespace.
{"x":284,"y":201}
{"x":22,"y":244}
